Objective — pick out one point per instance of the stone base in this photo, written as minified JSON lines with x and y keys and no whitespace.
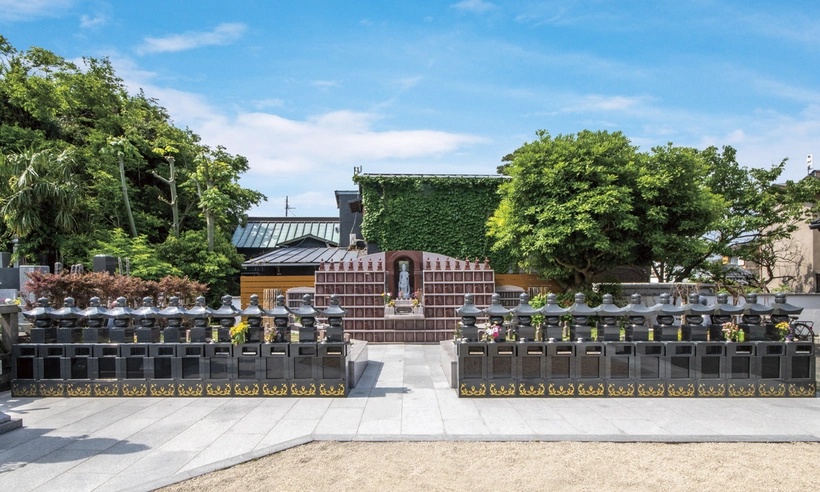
{"x":408,"y":316}
{"x":7,"y":424}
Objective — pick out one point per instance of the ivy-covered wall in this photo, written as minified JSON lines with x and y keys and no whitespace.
{"x":445,"y":215}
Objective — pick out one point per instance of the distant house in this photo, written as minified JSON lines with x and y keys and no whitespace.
{"x":798,"y":263}
{"x":284,"y":252}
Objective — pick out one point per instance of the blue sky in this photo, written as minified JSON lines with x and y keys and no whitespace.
{"x":307,"y":90}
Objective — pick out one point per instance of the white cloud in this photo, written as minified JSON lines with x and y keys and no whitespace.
{"x":269,"y":103}
{"x":405,"y":83}
{"x":596,"y":102}
{"x":222,"y":34}
{"x":88,"y":22}
{"x":324,"y":84}
{"x":17,"y":10}
{"x":277,"y":145}
{"x":477,"y":6}
{"x":298,"y":157}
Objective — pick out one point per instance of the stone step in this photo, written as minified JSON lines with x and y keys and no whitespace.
{"x":8,"y":425}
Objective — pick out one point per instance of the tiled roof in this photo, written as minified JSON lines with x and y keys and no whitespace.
{"x":273,"y":232}
{"x":301,"y":256}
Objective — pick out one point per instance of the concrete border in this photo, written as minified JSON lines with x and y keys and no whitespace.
{"x":358,"y":362}
{"x":244,"y":458}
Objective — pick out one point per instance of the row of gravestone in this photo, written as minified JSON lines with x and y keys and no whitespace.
{"x":754,"y":326}
{"x":627,"y":369}
{"x":121,"y":324}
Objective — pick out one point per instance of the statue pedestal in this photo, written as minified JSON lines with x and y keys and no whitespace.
{"x":404,"y":316}
{"x":403,"y":306}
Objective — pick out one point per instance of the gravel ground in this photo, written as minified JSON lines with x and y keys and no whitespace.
{"x":477,"y":466}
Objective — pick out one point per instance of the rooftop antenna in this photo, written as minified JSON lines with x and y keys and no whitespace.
{"x":809,"y":164}
{"x":287,"y":207}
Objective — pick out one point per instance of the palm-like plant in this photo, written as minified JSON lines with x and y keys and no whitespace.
{"x":38,"y":188}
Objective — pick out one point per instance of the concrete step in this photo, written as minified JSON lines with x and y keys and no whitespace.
{"x":8,"y":425}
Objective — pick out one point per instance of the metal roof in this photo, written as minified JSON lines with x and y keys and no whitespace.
{"x":273,"y":232}
{"x":393,"y":175}
{"x":301,"y":257}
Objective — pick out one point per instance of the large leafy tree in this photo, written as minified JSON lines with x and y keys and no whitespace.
{"x":569,"y":211}
{"x":119,"y":146}
{"x":578,"y":205}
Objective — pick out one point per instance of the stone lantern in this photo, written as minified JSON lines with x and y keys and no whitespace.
{"x":495,"y":317}
{"x":254,"y":315}
{"x":69,"y":319}
{"x":146,"y":316}
{"x":200,"y":314}
{"x":334,"y":314}
{"x":752,"y":326}
{"x":664,"y":327}
{"x":580,"y":330}
{"x":281,"y":318}
{"x":122,"y":331}
{"x":693,"y":329}
{"x":43,"y":330}
{"x":173,"y":315}
{"x":781,"y":313}
{"x":637,"y":330}
{"x":724,"y":313}
{"x":226,"y":316}
{"x":94,"y":317}
{"x":525,"y":312}
{"x":608,"y":313}
{"x":552,"y":319}
{"x":307,"y":314}
{"x":469,"y":313}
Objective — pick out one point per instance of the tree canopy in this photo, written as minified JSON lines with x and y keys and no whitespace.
{"x":78,"y":151}
{"x":580,"y":204}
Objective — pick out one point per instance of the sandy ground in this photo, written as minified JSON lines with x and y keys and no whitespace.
{"x":496,"y":466}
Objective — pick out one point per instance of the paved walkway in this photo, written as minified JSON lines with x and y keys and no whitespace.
{"x":142,"y":443}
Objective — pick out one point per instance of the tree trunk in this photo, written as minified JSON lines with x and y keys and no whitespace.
{"x":172,"y":183}
{"x":209,"y":221}
{"x":125,"y":198}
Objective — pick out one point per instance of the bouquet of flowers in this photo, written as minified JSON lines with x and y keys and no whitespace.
{"x":731,"y":331}
{"x":492,"y":332}
{"x":387,"y":297}
{"x":239,"y":333}
{"x":785,"y":331}
{"x":272,"y":335}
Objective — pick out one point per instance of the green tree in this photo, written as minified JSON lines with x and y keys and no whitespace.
{"x":142,"y":257}
{"x":221,"y":199}
{"x":217,"y":268}
{"x":47,"y":102}
{"x":569,"y":211}
{"x":39,"y":196}
{"x":578,"y":205}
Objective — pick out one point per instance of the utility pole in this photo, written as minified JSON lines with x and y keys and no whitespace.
{"x":287,"y":207}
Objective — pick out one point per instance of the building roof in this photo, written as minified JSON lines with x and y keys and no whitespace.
{"x":274,"y":232}
{"x":392,"y":175}
{"x":301,"y":257}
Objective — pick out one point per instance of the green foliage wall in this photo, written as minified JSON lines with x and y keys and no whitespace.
{"x":444,"y":215}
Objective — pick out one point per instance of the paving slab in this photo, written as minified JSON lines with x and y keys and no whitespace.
{"x":140,"y":444}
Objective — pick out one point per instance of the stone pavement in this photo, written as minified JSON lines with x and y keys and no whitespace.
{"x":143,"y":443}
